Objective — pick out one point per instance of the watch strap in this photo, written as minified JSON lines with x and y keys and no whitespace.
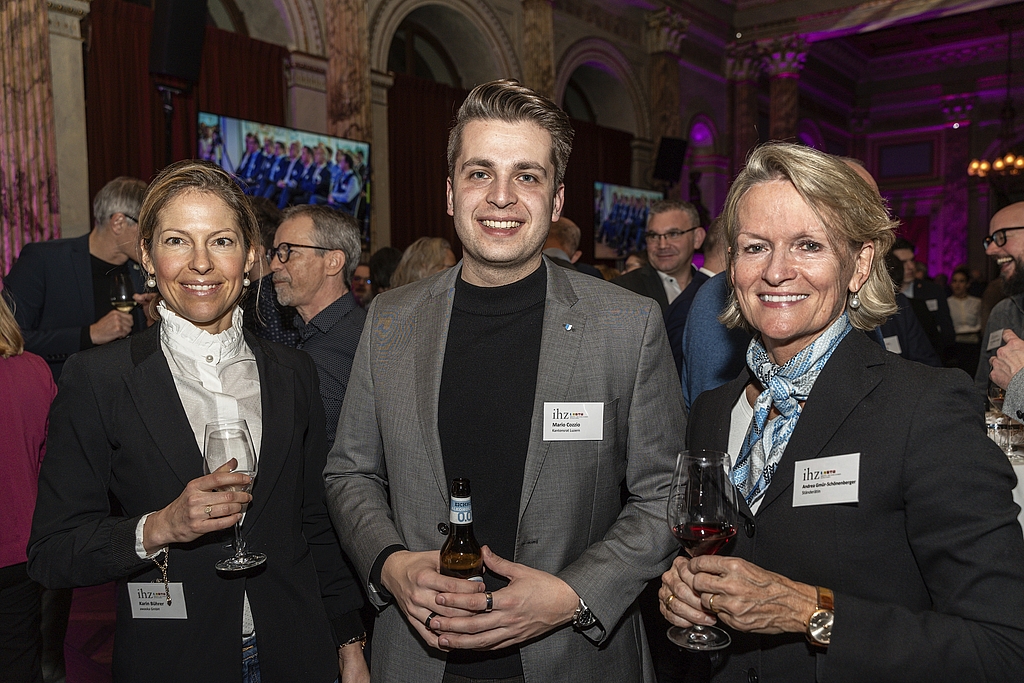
{"x":826,"y":599}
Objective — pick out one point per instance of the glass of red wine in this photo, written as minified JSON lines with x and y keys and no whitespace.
{"x":702,"y":514}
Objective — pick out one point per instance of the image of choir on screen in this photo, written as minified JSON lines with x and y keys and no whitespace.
{"x":290,"y":167}
{"x":620,"y":218}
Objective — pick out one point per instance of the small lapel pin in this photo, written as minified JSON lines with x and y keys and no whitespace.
{"x":568,"y":327}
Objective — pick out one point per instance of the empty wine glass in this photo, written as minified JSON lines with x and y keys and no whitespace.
{"x":224,"y":441}
{"x":702,"y":515}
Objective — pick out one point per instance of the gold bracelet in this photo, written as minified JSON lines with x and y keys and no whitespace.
{"x":361,"y":639}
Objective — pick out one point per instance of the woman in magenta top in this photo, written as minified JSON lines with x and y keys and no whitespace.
{"x":26,"y":389}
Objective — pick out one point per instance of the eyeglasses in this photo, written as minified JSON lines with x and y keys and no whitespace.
{"x":356,"y":278}
{"x":999,"y":237}
{"x":283,"y":251}
{"x":671,"y":235}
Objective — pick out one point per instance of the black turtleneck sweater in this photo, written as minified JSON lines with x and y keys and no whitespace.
{"x":484,"y":412}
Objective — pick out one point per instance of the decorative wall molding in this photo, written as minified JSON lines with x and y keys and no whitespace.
{"x":65,"y":17}
{"x":591,"y":50}
{"x":783,"y":57}
{"x":627,"y":28}
{"x":666,"y":29}
{"x":306,"y":71}
{"x":390,"y":13}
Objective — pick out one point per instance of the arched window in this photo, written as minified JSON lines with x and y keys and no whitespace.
{"x":416,"y":52}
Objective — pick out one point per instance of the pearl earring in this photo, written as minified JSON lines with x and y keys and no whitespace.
{"x":246,"y":281}
{"x":151,"y":282}
{"x":854,"y":301}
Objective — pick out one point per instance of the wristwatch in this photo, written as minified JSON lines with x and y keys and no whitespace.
{"x":583,"y":618}
{"x":819,"y":625}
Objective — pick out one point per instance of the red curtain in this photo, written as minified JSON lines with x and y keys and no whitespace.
{"x":598,"y":155}
{"x":240,"y":77}
{"x":420,"y":114}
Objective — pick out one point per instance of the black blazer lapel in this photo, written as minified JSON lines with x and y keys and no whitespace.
{"x":852,"y":372}
{"x":277,"y":399}
{"x":152,"y":388}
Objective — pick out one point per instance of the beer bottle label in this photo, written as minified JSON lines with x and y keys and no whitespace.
{"x":461,"y":511}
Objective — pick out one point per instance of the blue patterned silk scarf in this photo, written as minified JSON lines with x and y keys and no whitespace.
{"x":785,"y":387}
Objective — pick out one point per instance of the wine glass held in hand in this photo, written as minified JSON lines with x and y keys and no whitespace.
{"x":996,"y":395}
{"x":702,"y":514}
{"x":122,"y":293}
{"x":226,"y":441}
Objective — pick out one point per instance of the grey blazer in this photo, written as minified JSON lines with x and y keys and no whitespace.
{"x":386,"y":482}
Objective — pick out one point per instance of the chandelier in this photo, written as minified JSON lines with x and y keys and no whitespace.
{"x":1008,"y":163}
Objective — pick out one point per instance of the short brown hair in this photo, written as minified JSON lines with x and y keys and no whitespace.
{"x":850,"y":211}
{"x":666,"y":205}
{"x":509,"y":101}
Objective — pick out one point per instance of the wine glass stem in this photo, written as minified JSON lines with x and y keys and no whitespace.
{"x":239,"y":543}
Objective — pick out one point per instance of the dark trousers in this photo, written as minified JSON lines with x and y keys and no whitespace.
{"x":20,"y":637}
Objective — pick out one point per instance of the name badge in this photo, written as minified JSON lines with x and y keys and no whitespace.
{"x":573,"y":421}
{"x":892,"y":344}
{"x":932,"y":304}
{"x":827,"y":481}
{"x":149,"y":601}
{"x":995,"y":340}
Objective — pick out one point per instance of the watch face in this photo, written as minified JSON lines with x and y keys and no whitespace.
{"x":820,"y":626}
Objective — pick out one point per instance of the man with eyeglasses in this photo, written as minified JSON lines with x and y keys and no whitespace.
{"x":62,"y":288}
{"x":316,"y":250}
{"x":673,"y":234}
{"x":1002,"y":351}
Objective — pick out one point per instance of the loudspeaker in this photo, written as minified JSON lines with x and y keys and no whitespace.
{"x":669,"y":163}
{"x":176,"y":49}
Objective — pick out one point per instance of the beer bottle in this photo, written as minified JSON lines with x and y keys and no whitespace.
{"x":460,"y":554}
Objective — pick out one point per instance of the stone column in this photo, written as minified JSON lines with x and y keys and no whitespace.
{"x":953,"y":224}
{"x":665,"y":32}
{"x":68,"y":73}
{"x":783,"y":59}
{"x":29,"y":204}
{"x":348,"y":69}
{"x":380,"y":168}
{"x":539,"y":46}
{"x":742,"y":68}
{"x":306,"y":80}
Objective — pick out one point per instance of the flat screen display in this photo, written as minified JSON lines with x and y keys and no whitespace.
{"x":289,"y":166}
{"x":620,"y":218}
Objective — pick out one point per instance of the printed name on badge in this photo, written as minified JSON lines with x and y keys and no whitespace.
{"x":995,"y":340}
{"x":892,"y":344}
{"x":827,"y":481}
{"x":149,"y":601}
{"x":573,"y":421}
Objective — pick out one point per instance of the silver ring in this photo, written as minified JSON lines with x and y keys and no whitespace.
{"x":426,"y":622}
{"x":490,"y":601}
{"x":208,"y":510}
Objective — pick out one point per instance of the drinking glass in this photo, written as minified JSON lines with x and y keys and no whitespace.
{"x":996,"y":395}
{"x":224,"y":441}
{"x":121,"y":291}
{"x":702,"y":514}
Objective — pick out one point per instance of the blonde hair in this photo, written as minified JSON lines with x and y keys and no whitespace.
{"x":11,"y":341}
{"x":423,"y":258}
{"x":850,"y":211}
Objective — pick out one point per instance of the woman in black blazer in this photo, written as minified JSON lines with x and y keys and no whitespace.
{"x":122,"y":493}
{"x":917,"y":572}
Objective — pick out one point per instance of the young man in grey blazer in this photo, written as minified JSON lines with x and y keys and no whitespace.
{"x":552,"y":391}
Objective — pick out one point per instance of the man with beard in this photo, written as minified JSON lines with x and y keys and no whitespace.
{"x":1002,"y":357}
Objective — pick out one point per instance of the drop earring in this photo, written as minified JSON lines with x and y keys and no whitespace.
{"x":246,"y":281}
{"x":151,"y":282}
{"x":854,"y":301}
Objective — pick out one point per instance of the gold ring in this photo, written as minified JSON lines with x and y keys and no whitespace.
{"x":668,"y":600}
{"x":711,"y":604}
{"x":208,"y":510}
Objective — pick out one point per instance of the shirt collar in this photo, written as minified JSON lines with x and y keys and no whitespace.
{"x":183,"y":337}
{"x":327,"y":318}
